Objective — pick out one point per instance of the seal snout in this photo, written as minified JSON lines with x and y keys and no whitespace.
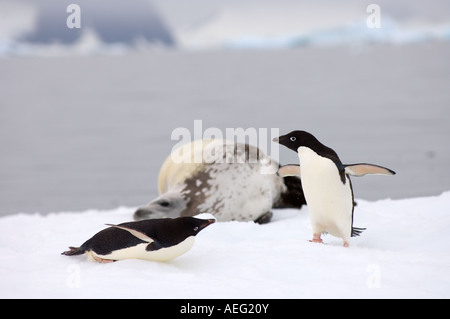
{"x":146,"y":213}
{"x":141,"y":213}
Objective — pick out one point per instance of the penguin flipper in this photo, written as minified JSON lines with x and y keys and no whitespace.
{"x":134,"y":232}
{"x":362,"y":169}
{"x":289,"y":170}
{"x":155,"y":245}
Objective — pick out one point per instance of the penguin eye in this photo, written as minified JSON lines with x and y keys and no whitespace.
{"x":195,"y":228}
{"x":292,"y":138}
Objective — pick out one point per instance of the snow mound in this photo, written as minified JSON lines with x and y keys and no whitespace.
{"x":402,"y":254}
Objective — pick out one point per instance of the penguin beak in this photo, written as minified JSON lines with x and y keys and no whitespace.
{"x":207,"y":223}
{"x":276,"y":140}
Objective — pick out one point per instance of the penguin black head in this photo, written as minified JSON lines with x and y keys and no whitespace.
{"x":296,"y":139}
{"x":191,"y":226}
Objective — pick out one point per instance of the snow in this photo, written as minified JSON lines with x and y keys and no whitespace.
{"x":402,"y":254}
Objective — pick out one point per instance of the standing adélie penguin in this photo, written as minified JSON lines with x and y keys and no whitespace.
{"x":326,"y":184}
{"x":153,"y":239}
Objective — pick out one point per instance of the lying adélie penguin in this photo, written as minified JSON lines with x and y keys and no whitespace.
{"x":153,"y":239}
{"x":232,"y":181}
{"x":326,"y":184}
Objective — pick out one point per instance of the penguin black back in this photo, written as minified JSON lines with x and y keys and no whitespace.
{"x":169,"y":231}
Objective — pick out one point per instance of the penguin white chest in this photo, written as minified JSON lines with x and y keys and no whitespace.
{"x":329,"y":200}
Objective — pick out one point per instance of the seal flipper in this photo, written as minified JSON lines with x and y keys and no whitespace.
{"x":264,"y":218}
{"x":362,"y":169}
{"x":134,"y":232}
{"x":293,"y":197}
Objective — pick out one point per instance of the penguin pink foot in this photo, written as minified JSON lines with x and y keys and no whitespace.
{"x":316,"y":239}
{"x":102,"y":260}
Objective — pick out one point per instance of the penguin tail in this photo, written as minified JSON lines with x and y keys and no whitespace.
{"x":356,"y":231}
{"x":74,"y":251}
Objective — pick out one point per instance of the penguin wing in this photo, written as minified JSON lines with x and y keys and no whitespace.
{"x":135,"y":233}
{"x":289,"y":170}
{"x":362,"y":169}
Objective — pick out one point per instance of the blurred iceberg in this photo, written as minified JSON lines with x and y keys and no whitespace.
{"x":29,"y":27}
{"x":356,"y":33}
